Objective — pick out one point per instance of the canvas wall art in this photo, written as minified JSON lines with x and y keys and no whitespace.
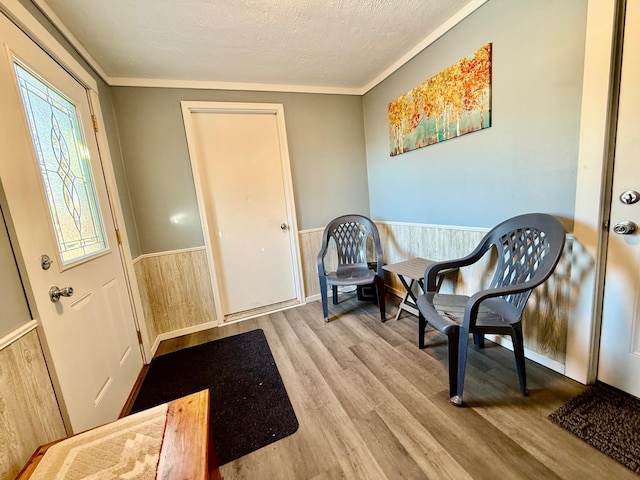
{"x":452,"y":103}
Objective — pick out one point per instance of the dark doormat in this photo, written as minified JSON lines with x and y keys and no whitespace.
{"x":250,"y":407}
{"x":607,"y":419}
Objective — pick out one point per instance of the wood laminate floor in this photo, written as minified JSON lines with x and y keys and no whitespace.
{"x":371,"y":405}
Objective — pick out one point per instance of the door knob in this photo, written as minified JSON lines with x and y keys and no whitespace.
{"x":625,"y":227}
{"x":55,"y":293}
{"x":283,"y":226}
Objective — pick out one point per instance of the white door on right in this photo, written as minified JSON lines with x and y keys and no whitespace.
{"x":619,"y":362}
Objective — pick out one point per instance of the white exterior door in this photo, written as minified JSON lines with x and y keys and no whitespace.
{"x":57,"y":199}
{"x":241,"y":172}
{"x":619,"y":361}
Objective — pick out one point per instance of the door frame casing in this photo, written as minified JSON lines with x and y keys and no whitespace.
{"x":25,"y":21}
{"x":191,"y":107}
{"x":593,"y":190}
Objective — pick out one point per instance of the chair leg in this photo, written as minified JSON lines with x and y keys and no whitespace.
{"x":323,"y":296}
{"x":334,"y":289}
{"x":453,"y":338}
{"x":422,"y":326}
{"x":478,"y":339}
{"x":382,"y":291}
{"x":518,"y":350}
{"x":463,"y":343}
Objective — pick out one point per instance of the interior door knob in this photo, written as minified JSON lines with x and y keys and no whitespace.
{"x":55,"y":293}
{"x":283,"y":226}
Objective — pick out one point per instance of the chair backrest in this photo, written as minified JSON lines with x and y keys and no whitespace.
{"x":351,"y":234}
{"x":528,"y":249}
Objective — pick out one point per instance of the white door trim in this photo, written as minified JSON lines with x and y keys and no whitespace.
{"x":146,"y":350}
{"x":189,"y":108}
{"x":592,"y":184}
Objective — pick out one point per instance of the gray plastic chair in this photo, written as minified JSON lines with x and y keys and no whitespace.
{"x":528,"y":248}
{"x":351,"y":234}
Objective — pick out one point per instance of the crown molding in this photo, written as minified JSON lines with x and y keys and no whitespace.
{"x":259,"y":87}
{"x":66,"y":33}
{"x":213,"y":85}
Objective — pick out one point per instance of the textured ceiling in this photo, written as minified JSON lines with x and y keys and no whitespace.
{"x":324,"y":43}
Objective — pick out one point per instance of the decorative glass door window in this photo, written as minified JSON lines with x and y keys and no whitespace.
{"x":65,"y":166}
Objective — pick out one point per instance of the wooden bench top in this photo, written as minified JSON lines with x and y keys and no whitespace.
{"x":186,"y":451}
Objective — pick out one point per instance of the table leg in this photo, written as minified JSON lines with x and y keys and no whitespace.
{"x":405,"y":304}
{"x":409,"y":301}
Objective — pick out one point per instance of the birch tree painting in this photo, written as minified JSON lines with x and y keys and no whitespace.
{"x":454,"y":102}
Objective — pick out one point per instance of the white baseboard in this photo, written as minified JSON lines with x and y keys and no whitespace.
{"x":154,"y":348}
{"x":207,"y":326}
{"x":180,"y":332}
{"x":531,"y":355}
{"x":316,"y":297}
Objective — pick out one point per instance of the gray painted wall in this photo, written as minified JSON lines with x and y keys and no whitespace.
{"x":111,"y":128}
{"x":15,"y":310}
{"x":527,"y":160}
{"x":326,"y":147}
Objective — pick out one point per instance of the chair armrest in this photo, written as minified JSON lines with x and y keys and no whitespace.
{"x":321,"y":255}
{"x":432,"y":271}
{"x":474,"y":302}
{"x":321,"y":263}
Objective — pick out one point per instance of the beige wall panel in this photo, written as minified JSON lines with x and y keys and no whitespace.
{"x":310,"y":243}
{"x":404,"y":241}
{"x":146,"y":301}
{"x":177,"y":290}
{"x":545,"y":319}
{"x":29,"y":414}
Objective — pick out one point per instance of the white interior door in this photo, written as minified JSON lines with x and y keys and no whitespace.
{"x":619,"y":361}
{"x":58,"y":203}
{"x":238,"y":159}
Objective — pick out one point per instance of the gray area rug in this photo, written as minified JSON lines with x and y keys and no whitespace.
{"x":607,"y":419}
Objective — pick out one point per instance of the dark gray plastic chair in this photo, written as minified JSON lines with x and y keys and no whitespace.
{"x":351,"y":234}
{"x":528,"y":248}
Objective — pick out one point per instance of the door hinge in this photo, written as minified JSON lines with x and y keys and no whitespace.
{"x":118,"y":237}
{"x":139,"y":337}
{"x":94,"y":119}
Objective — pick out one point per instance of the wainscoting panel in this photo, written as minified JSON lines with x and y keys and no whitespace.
{"x":145,"y":298}
{"x":29,"y":414}
{"x":310,"y":243}
{"x":404,"y":241}
{"x":176,"y":290}
{"x":546,"y":317}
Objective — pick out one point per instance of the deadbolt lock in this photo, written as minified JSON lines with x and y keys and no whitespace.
{"x":45,"y":262}
{"x":629,"y":197}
